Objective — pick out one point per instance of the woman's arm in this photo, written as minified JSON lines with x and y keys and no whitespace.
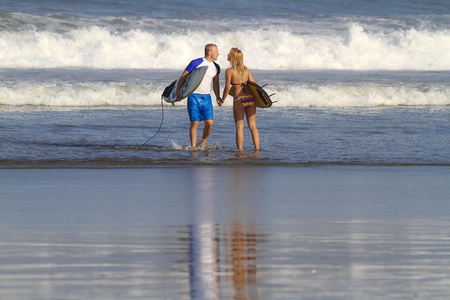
{"x":226,"y":88}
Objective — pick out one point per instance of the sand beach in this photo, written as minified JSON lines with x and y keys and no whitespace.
{"x":336,"y":232}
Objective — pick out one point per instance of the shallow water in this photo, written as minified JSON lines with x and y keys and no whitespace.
{"x":114,"y":137}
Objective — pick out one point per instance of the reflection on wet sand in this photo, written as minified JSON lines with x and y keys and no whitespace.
{"x":221,"y":264}
{"x":240,"y":251}
{"x":204,"y":262}
{"x":232,"y":233}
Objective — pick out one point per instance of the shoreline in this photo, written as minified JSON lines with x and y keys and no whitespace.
{"x":229,"y":163}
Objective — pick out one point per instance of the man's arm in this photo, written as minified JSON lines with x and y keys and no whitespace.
{"x":181,"y":82}
{"x":216,"y":86}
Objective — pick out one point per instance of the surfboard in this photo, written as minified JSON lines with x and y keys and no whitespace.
{"x":262,"y":99}
{"x":191,"y":83}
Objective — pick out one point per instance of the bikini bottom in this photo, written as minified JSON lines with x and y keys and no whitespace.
{"x":246,"y":100}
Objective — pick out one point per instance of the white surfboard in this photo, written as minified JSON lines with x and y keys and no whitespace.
{"x":190,"y":85}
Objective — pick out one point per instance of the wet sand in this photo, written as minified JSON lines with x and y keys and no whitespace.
{"x":218,"y":232}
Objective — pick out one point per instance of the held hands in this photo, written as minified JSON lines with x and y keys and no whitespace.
{"x":220,"y":101}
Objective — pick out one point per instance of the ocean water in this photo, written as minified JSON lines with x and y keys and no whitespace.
{"x":364,"y":83}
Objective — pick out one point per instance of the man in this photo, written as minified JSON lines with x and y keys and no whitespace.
{"x":199,"y":103}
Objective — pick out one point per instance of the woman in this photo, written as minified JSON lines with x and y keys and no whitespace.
{"x":244,"y":102}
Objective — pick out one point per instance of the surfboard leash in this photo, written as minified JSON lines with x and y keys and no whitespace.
{"x":160,"y":125}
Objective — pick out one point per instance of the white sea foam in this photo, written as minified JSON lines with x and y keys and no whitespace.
{"x":364,"y":96}
{"x":270,"y":49}
{"x":84,"y":95}
{"x":118,"y":94}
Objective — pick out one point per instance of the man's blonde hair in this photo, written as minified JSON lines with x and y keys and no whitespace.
{"x":208,"y":48}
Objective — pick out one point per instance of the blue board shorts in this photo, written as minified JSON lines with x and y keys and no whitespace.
{"x":200,"y":107}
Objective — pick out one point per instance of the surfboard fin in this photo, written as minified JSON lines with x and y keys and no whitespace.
{"x":272,"y":95}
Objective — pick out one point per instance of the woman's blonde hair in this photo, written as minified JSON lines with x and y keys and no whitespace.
{"x":237,"y":63}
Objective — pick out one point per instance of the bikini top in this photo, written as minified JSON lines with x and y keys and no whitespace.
{"x":243,"y":85}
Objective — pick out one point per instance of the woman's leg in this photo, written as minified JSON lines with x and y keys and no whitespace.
{"x":250,"y":111}
{"x":238,"y":113}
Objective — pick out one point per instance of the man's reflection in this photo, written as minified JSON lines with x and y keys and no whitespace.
{"x":204,"y":262}
{"x":203,"y":239}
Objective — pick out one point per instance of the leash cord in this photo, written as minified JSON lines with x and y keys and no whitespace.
{"x":160,"y":125}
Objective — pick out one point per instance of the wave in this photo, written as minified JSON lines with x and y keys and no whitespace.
{"x":355,"y":48}
{"x":303,"y":95}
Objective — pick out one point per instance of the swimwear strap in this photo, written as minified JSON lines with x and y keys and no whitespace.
{"x":243,"y":85}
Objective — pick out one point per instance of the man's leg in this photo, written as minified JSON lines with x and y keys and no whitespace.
{"x":193,"y":133}
{"x":206,"y":131}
